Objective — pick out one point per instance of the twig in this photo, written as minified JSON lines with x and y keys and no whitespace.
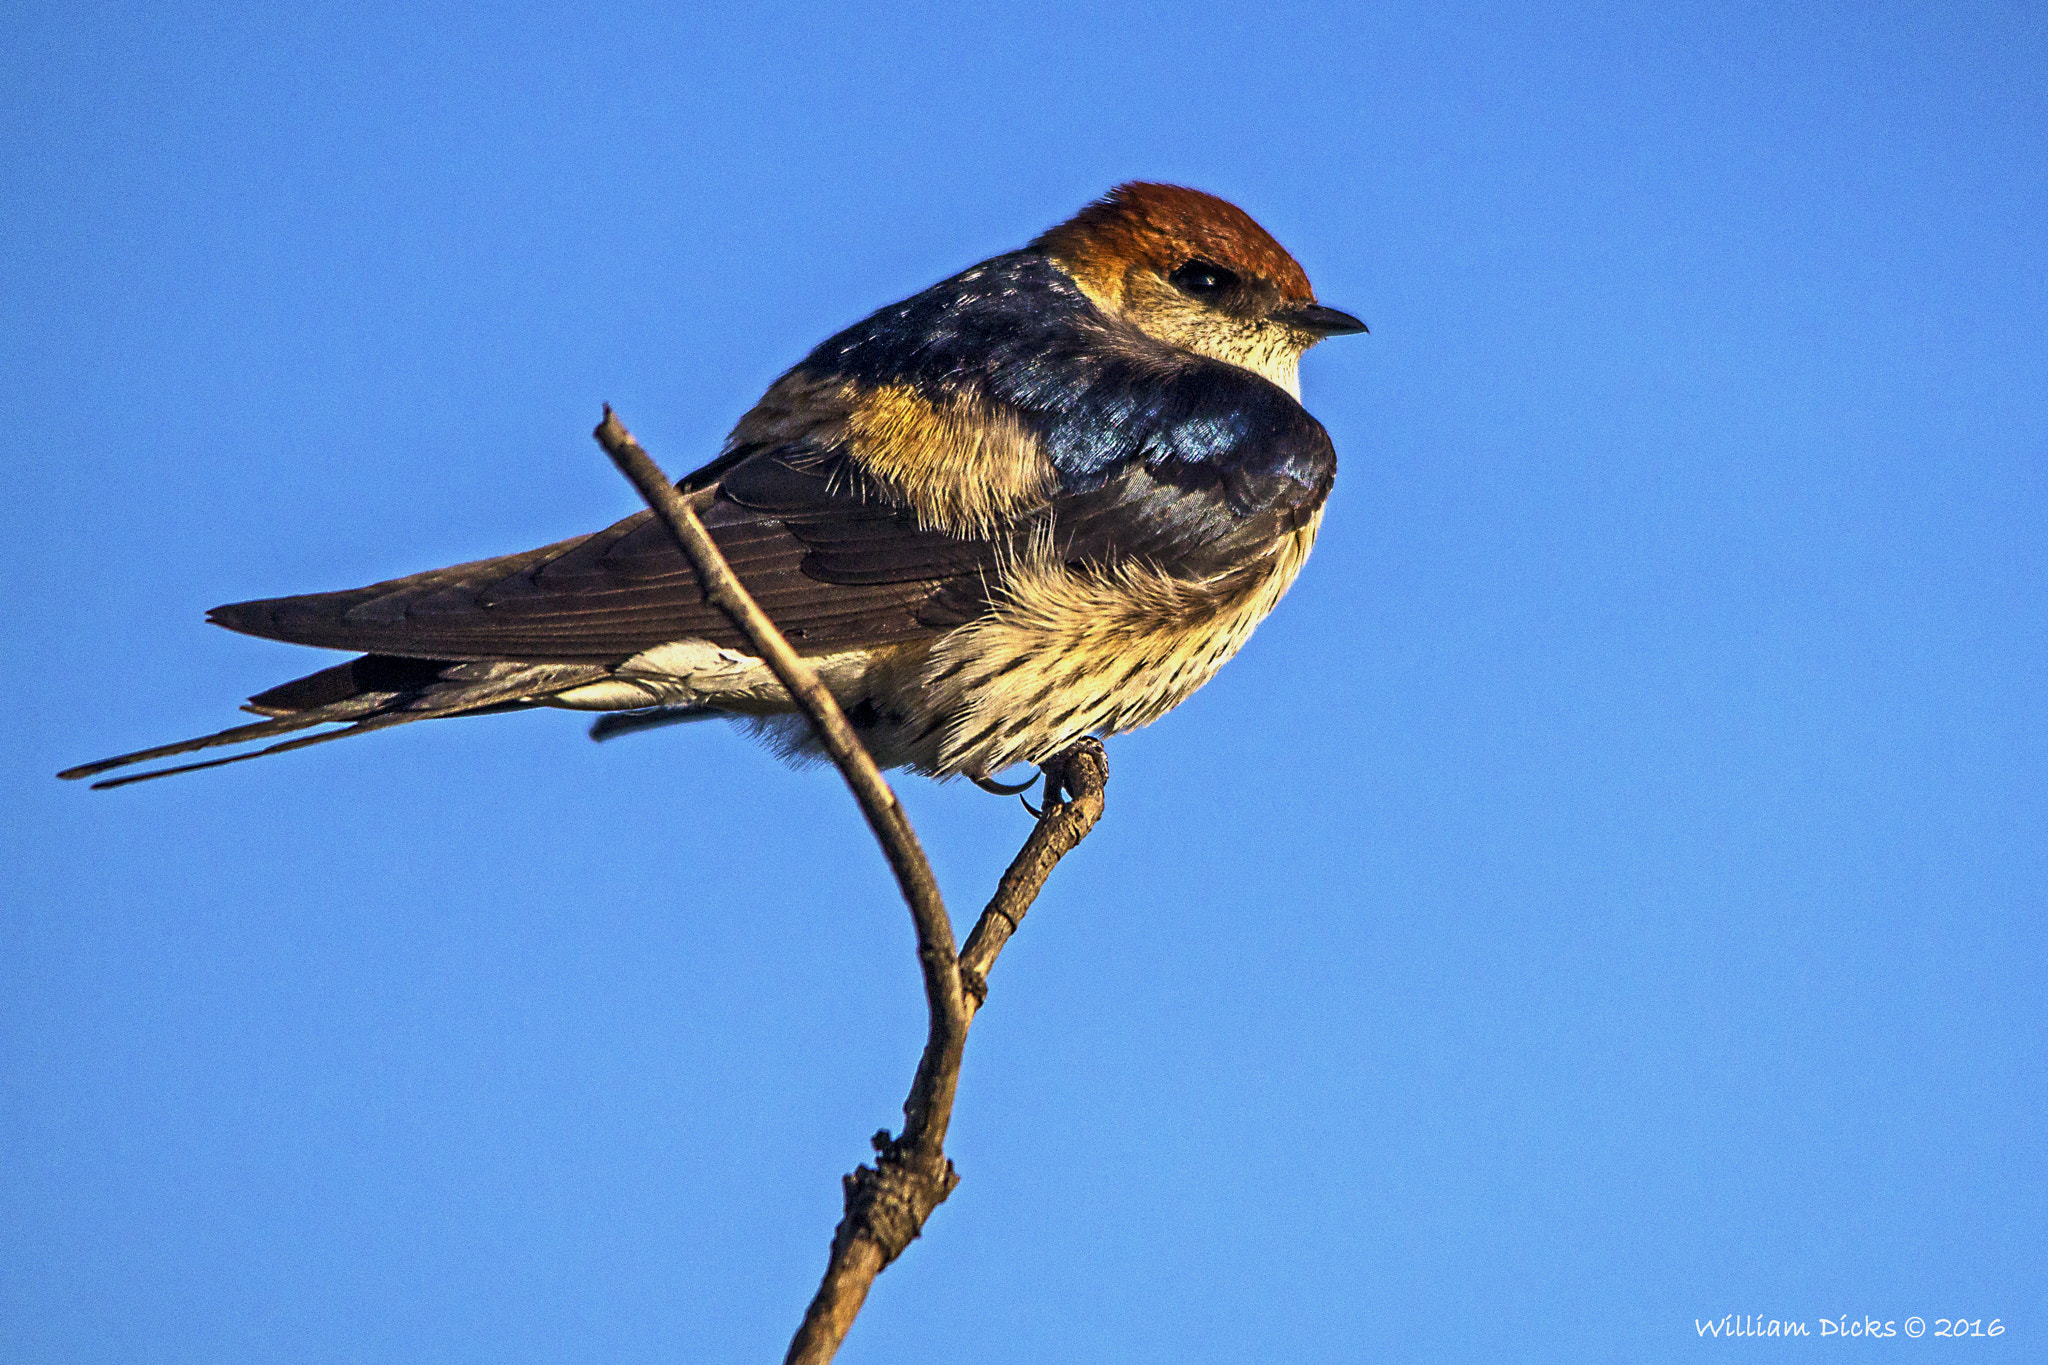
{"x":886,"y":1204}
{"x":1082,"y":773}
{"x":886,"y":1199}
{"x":722,"y":588}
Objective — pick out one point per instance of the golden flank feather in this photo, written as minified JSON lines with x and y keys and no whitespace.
{"x":960,"y":466}
{"x":1066,"y":654}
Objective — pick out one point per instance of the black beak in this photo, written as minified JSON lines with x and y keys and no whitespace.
{"x":1323,"y":322}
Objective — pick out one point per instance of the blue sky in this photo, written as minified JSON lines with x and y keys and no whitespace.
{"x":1607,"y":895}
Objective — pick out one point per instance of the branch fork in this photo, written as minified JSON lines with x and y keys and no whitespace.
{"x":887,"y":1203}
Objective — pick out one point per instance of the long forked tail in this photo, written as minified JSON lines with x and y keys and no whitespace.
{"x":371,"y":693}
{"x":238,"y":734}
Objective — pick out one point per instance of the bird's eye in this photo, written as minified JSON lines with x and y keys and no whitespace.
{"x":1202,"y":279}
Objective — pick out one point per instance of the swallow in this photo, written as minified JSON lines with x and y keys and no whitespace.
{"x":1044,"y":499}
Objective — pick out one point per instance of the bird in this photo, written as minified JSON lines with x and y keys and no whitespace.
{"x":1044,"y":499}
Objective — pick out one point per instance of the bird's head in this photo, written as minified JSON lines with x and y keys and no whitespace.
{"x":1195,"y":271}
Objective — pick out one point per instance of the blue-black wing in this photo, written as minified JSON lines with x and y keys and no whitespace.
{"x":1190,"y":465}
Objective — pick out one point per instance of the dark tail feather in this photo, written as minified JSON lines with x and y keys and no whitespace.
{"x":234,"y":734}
{"x":615,"y":723}
{"x":381,"y":675}
{"x":374,"y":723}
{"x":417,"y":690}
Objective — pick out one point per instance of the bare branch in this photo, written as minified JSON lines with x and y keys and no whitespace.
{"x":887,"y":1203}
{"x":884,"y":1210}
{"x":885,"y":815}
{"x":1074,"y":783}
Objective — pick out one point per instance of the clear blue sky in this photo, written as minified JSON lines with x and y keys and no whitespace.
{"x":1608,"y":894}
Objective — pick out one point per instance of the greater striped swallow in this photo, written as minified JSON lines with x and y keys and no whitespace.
{"x":1046,"y":498}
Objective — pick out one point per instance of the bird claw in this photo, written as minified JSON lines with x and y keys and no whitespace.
{"x":1054,"y":773}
